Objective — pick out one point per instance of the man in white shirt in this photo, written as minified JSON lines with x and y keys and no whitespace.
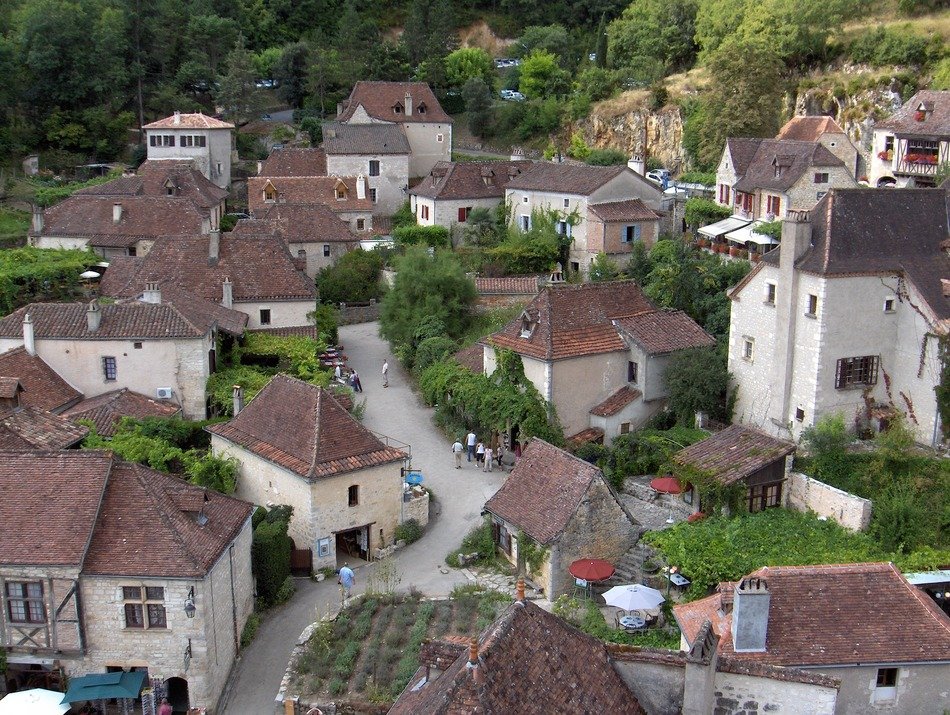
{"x":457,"y":451}
{"x":470,"y":441}
{"x":385,"y":373}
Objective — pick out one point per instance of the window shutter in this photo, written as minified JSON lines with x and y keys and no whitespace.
{"x":839,"y":374}
{"x":636,"y":232}
{"x":461,"y":214}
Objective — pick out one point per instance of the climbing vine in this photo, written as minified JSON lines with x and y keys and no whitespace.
{"x":943,"y":389}
{"x":534,"y":553}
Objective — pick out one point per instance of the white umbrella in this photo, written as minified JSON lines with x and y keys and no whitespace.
{"x":89,"y":274}
{"x":33,"y":702}
{"x":634,"y":597}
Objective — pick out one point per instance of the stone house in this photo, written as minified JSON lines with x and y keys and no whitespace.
{"x":531,"y":661}
{"x":252,"y":274}
{"x":597,"y":352}
{"x":105,"y":411}
{"x":346,"y":196}
{"x":827,"y":132}
{"x":765,"y":178}
{"x":453,"y":189}
{"x":129,"y":569}
{"x":566,"y":507}
{"x":378,"y":152}
{"x":572,"y":191}
{"x":506,"y":291}
{"x":40,"y":386}
{"x":740,"y":454}
{"x":845,"y":316}
{"x":410,"y":106}
{"x":863,"y":624}
{"x":909,"y":147}
{"x":164,"y":348}
{"x":203,"y":140}
{"x":296,"y":445}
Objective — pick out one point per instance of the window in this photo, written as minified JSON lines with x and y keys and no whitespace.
{"x":812,"y":305}
{"x":341,"y":193}
{"x":525,"y":222}
{"x":144,"y":607}
{"x":424,"y":211}
{"x":353,"y":495}
{"x":463,"y":213}
{"x":108,"y":368}
{"x":217,"y":169}
{"x":562,"y":228}
{"x":326,"y":250}
{"x":361,"y":224}
{"x":136,"y":346}
{"x":524,"y":199}
{"x":270,"y":193}
{"x":748,"y":348}
{"x":800,"y":414}
{"x":765,"y":496}
{"x":373,"y":195}
{"x":773,"y":205}
{"x":724,"y":191}
{"x":888,"y":305}
{"x":567,"y":203}
{"x":820,"y":195}
{"x":575,"y":266}
{"x":821,"y":177}
{"x":632,"y":370}
{"x":25,"y":602}
{"x":886,"y":678}
{"x":161,"y":140}
{"x":631,"y":234}
{"x":856,"y":371}
{"x":422,"y":110}
{"x":439,"y":137}
{"x":888,"y":144}
{"x":624,"y":428}
{"x":374,"y":167}
{"x":770,"y":293}
{"x":397,"y":109}
{"x":265,"y":316}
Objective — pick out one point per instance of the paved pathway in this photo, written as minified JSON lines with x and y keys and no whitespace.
{"x":460,"y":494}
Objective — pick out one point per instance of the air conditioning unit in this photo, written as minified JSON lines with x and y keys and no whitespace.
{"x":164,"y":393}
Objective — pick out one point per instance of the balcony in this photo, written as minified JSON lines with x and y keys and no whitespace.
{"x":916,"y":164}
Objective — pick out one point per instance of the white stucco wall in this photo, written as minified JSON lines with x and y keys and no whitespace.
{"x":426,"y":149}
{"x":391,"y":183}
{"x":922,"y":689}
{"x":283,"y":313}
{"x":213,"y":160}
{"x":782,"y":697}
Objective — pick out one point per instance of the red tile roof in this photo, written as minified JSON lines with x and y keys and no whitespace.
{"x":43,"y":388}
{"x":472,"y":357}
{"x":660,"y":332}
{"x":469,"y":179}
{"x":531,"y":662}
{"x":106,"y":410}
{"x":577,"y":179}
{"x":158,"y":177}
{"x":590,"y":434}
{"x":380,"y":98}
{"x":543,"y":491}
{"x":49,"y":506}
{"x":936,"y":122}
{"x":808,"y":129}
{"x":259,"y":267}
{"x":735,"y":453}
{"x":302,"y":428}
{"x":295,"y":162}
{"x":574,"y":320}
{"x":307,"y":190}
{"x":832,"y":615}
{"x":29,"y":428}
{"x":180,"y":120}
{"x":508,"y":285}
{"x":628,"y":210}
{"x":616,"y":402}
{"x":298,"y":223}
{"x":10,"y":387}
{"x":149,"y":526}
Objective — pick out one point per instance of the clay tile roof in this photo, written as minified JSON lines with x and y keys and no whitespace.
{"x":259,"y":267}
{"x":795,"y":158}
{"x":148,"y":526}
{"x":157,"y":178}
{"x":42,"y":387}
{"x":339,"y":138}
{"x":378,"y":99}
{"x":295,"y":162}
{"x":812,"y":618}
{"x":302,"y":428}
{"x":866,"y":232}
{"x":590,"y":434}
{"x":543,"y":491}
{"x":189,"y":121}
{"x":106,"y":410}
{"x":469,"y":179}
{"x":306,"y":331}
{"x":299,"y":223}
{"x":307,"y":190}
{"x":442,"y":653}
{"x":579,"y":179}
{"x":568,"y":321}
{"x":529,"y":661}
{"x":808,"y":129}
{"x":628,"y":210}
{"x":616,"y":402}
{"x":664,"y":331}
{"x":10,"y":387}
{"x":936,"y":122}
{"x":472,"y":357}
{"x":742,"y":151}
{"x":508,"y":285}
{"x":735,"y":453}
{"x":65,"y":488}
{"x":30,"y":428}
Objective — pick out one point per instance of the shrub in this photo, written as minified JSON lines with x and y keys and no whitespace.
{"x":409,"y":531}
{"x":36,"y":274}
{"x":250,"y":630}
{"x":354,"y":278}
{"x":434,"y":236}
{"x":432,"y":350}
{"x":606,"y":157}
{"x":270,"y":556}
{"x":286,"y":591}
{"x":702,"y":212}
{"x":706,"y":178}
{"x":480,"y":539}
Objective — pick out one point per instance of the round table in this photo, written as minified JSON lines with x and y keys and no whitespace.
{"x":632,"y":622}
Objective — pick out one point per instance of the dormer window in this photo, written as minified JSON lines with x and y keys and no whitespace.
{"x":528,"y":323}
{"x":341,"y":193}
{"x":397,"y":108}
{"x":270,"y":193}
{"x":422,"y":107}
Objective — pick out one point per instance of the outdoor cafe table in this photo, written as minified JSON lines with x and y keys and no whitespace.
{"x":632,"y":622}
{"x":677,"y":579}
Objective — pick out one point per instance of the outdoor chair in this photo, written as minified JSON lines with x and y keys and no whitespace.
{"x":617,"y":616}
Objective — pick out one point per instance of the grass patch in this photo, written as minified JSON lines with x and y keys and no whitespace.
{"x":14,"y":225}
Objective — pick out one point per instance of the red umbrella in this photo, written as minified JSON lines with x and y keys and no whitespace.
{"x":591,"y":569}
{"x":666,"y":485}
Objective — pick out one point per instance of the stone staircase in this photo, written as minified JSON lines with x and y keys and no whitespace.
{"x":629,"y":568}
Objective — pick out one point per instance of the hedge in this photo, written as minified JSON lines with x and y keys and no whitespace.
{"x":270,"y":556}
{"x":435,"y":236}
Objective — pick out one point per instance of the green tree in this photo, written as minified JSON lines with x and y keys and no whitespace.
{"x":265,"y":62}
{"x":601,"y":54}
{"x":354,"y":278}
{"x":468,"y":63}
{"x":603,"y":268}
{"x":659,"y":29}
{"x":237,"y":90}
{"x":541,"y":76}
{"x":478,"y":105}
{"x":548,"y":38}
{"x":324,"y":77}
{"x":697,"y":380}
{"x":290,"y":72}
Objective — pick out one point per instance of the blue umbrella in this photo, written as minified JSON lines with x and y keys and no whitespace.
{"x":414,"y":478}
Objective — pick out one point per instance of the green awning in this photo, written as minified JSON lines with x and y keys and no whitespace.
{"x":102,"y":686}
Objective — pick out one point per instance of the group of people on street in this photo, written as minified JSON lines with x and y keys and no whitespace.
{"x":485,"y":456}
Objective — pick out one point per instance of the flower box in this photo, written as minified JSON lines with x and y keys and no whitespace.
{"x":886,"y":155}
{"x":734,"y":252}
{"x":756,"y":257}
{"x":921,"y":159}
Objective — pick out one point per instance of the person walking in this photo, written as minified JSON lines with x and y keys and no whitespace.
{"x":470,"y":441}
{"x":479,"y":453}
{"x":165,"y":708}
{"x":500,"y":455}
{"x":385,"y":373}
{"x":457,"y":449}
{"x":489,"y":458}
{"x":355,"y":380}
{"x":346,"y":580}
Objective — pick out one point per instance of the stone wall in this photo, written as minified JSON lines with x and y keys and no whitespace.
{"x":805,"y":493}
{"x":417,"y":508}
{"x":494,"y":301}
{"x":351,"y":314}
{"x":750,"y":695}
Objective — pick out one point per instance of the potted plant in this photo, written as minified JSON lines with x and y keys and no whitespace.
{"x":743,"y":253}
{"x":650,"y":567}
{"x":734,"y":251}
{"x":756,"y":257}
{"x":702,"y":242}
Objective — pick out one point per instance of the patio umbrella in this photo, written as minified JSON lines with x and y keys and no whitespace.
{"x":634,"y":597}
{"x":666,"y":485}
{"x":591,"y":569}
{"x":33,"y":702}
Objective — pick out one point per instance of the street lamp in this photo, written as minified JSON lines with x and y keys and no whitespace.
{"x":669,"y":571}
{"x":190,"y":608}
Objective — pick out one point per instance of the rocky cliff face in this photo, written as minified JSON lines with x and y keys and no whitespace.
{"x":657,"y":134}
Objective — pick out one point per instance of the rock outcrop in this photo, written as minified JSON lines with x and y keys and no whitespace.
{"x":658,"y":134}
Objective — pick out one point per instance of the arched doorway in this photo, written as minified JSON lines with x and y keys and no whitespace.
{"x":886,"y":182}
{"x":176,"y":690}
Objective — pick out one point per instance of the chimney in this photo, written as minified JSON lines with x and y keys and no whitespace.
{"x":637,"y":164}
{"x":238,"y":399}
{"x":116,"y":213}
{"x":227,"y":294}
{"x":152,"y":293}
{"x":93,"y":316}
{"x":177,"y":120}
{"x":517,"y":154}
{"x":796,"y":238}
{"x":408,"y":103}
{"x":29,"y":341}
{"x":214,"y":247}
{"x":701,"y":662}
{"x":260,"y":166}
{"x":38,"y":219}
{"x":472,"y":664}
{"x":519,"y":591}
{"x":750,"y":615}
{"x":360,"y":187}
{"x":300,"y":262}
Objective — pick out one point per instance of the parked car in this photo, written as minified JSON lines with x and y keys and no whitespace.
{"x":512,"y":96}
{"x":504,"y":62}
{"x":659,"y":176}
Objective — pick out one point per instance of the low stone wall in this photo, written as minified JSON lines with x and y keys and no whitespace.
{"x":417,"y":508}
{"x":851,"y":511}
{"x":351,"y":314}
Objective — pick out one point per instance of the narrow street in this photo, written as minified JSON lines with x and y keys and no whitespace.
{"x":396,"y":412}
